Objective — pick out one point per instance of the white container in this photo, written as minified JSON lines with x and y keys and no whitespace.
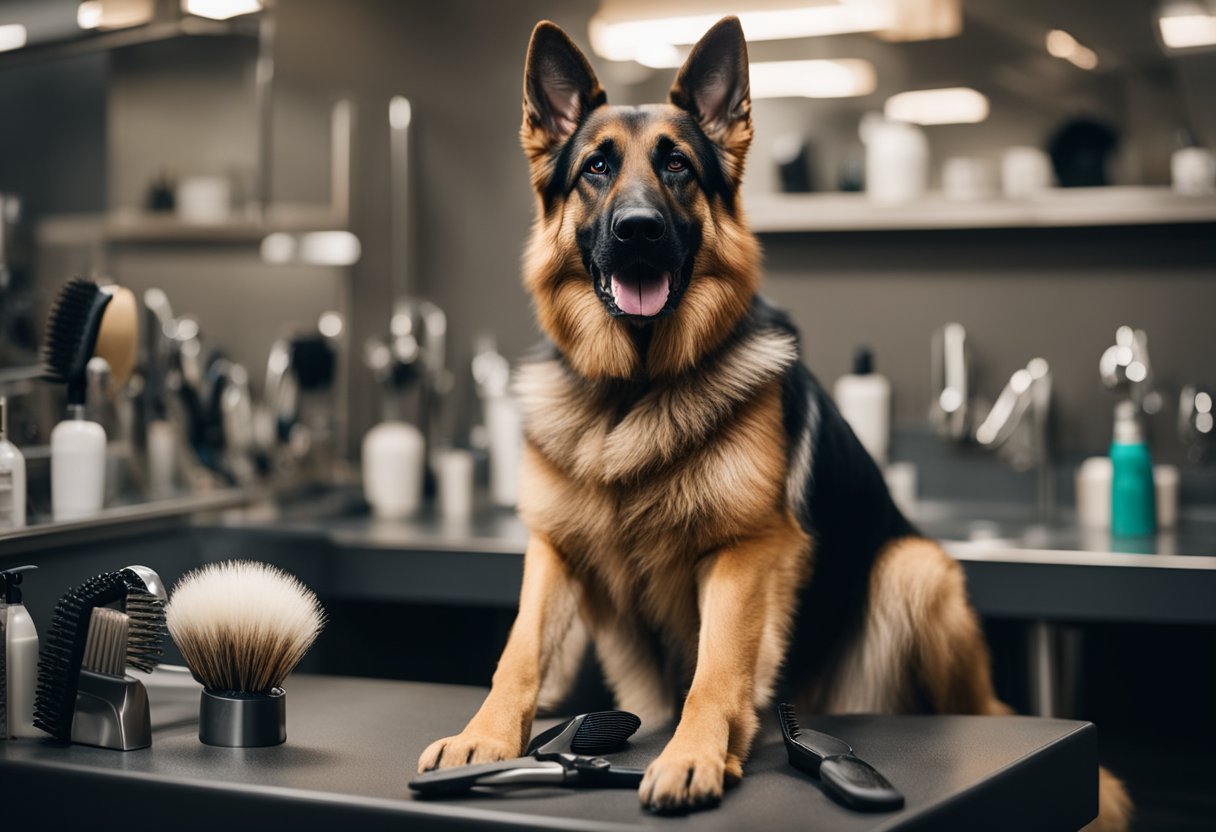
{"x":12,"y":477}
{"x":897,"y":159}
{"x":505,"y":428}
{"x":968,"y":179}
{"x":204,"y":199}
{"x":394,"y":454}
{"x":1193,"y":170}
{"x":1165,"y":487}
{"x":1025,"y":171}
{"x":454,"y":471}
{"x":78,"y":467}
{"x":162,"y":459}
{"x":864,"y":399}
{"x":21,"y":663}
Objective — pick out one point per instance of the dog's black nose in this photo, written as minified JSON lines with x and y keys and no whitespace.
{"x":633,"y":225}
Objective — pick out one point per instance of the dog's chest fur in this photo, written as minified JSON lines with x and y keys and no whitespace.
{"x":634,"y":483}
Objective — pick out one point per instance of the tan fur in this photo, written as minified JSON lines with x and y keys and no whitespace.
{"x":658,"y":485}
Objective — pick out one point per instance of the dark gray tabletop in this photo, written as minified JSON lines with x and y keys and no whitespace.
{"x":352,"y":745}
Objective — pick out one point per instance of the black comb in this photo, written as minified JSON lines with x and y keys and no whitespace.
{"x":845,"y":777}
{"x":71,"y":334}
{"x":599,"y":732}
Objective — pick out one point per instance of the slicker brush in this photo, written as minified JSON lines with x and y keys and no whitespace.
{"x":242,"y":627}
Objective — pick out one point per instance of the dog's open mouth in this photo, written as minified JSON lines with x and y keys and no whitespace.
{"x":640,"y":289}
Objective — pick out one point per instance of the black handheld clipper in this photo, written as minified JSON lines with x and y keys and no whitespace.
{"x":846,"y":777}
{"x":566,"y":754}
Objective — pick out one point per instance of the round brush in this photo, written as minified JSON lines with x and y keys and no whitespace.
{"x":242,"y":627}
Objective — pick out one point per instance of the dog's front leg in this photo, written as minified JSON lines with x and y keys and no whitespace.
{"x":737,"y":591}
{"x":744,"y":597}
{"x":501,"y":728}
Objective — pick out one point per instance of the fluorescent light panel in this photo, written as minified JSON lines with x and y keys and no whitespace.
{"x":221,"y":9}
{"x":113,"y":14}
{"x":1188,"y":30}
{"x":812,"y":79}
{"x":12,"y":36}
{"x":951,"y":105}
{"x":625,"y":39}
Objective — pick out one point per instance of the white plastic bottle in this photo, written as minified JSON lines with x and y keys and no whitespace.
{"x":78,"y":466}
{"x":12,"y":477}
{"x":864,"y":399}
{"x":21,"y":657}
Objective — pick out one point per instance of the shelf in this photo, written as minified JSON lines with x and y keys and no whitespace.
{"x":1057,"y":208}
{"x":134,"y":229}
{"x":92,"y":42}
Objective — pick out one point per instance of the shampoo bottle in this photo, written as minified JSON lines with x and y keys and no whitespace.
{"x":78,"y":466}
{"x":1132,"y":497}
{"x":864,"y":399}
{"x":12,"y":477}
{"x":21,"y":656}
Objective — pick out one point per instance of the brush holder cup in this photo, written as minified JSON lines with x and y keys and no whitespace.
{"x":233,"y":719}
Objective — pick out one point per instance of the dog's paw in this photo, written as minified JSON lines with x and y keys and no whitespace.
{"x":463,"y":749}
{"x":683,"y":781}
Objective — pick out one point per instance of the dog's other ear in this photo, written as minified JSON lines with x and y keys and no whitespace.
{"x":560,"y":89}
{"x":713,"y":86}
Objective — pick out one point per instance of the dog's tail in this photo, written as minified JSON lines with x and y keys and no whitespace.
{"x":1114,"y":805}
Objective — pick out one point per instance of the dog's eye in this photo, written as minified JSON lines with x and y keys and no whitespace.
{"x":597,"y":165}
{"x":676,"y":163}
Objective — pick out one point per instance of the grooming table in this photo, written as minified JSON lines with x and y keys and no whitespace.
{"x":352,"y":745}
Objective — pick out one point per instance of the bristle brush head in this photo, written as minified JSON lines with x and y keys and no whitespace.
{"x":789,"y":720}
{"x":71,"y":330}
{"x":241,"y":625}
{"x":603,"y":732}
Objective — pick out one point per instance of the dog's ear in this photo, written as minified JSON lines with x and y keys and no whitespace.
{"x":713,"y":86}
{"x":560,"y":89}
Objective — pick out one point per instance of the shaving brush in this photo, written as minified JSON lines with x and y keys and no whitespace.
{"x":242,"y":627}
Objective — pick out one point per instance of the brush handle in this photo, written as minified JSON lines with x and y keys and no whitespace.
{"x":856,"y":784}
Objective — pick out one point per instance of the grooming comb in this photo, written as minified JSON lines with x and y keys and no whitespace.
{"x":845,"y":777}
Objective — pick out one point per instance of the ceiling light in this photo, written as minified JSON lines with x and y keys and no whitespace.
{"x":12,"y":36}
{"x":88,"y":14}
{"x":622,"y":31}
{"x":1060,"y":44}
{"x":1185,"y":25}
{"x":113,"y":14}
{"x":952,"y":105}
{"x":812,"y":79}
{"x":221,"y":9}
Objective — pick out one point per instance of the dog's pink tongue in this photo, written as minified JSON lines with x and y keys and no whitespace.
{"x":640,"y":292}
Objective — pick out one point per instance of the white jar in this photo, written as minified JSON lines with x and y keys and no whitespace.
{"x":897,"y":159}
{"x":393,"y":457}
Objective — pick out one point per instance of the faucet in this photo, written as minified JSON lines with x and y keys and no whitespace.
{"x":1017,"y":425}
{"x":949,"y":411}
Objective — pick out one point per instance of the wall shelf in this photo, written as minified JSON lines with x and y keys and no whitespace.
{"x":139,"y":229}
{"x":1056,"y":208}
{"x":86,"y":43}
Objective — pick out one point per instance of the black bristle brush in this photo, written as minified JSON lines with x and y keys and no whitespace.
{"x":71,"y":334}
{"x":63,"y":648}
{"x":63,"y":651}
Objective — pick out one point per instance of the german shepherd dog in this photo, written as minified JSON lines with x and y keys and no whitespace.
{"x":694,"y":498}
